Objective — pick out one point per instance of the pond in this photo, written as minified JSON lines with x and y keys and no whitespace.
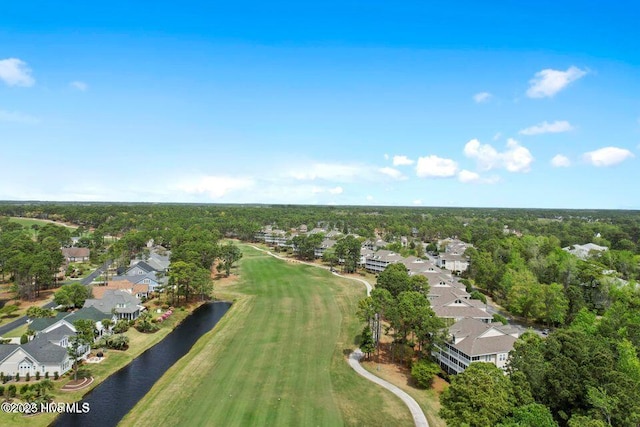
{"x":110,"y":401}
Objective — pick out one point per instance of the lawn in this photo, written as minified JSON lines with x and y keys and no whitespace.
{"x":28,"y":222}
{"x":17,"y":332}
{"x":276,"y":358}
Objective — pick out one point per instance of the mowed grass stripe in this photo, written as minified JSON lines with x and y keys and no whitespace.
{"x":280,"y":342}
{"x":246,"y":377}
{"x":267,"y":346}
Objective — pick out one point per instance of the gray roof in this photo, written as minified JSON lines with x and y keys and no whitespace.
{"x":6,"y":350}
{"x":137,"y":278}
{"x":41,"y":323}
{"x":111,"y":299}
{"x":44,"y":351}
{"x":475,"y":338}
{"x":387,"y":256}
{"x":60,"y":332}
{"x":87,"y":313}
{"x":158,"y":262}
{"x":143,"y":266}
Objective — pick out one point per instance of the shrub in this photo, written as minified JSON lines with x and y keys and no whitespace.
{"x":423,"y":372}
{"x":17,"y":377}
{"x":99,"y":354}
{"x":11,"y":391}
{"x":117,"y":342}
{"x":24,"y":389}
{"x":121,"y":326}
{"x":147,"y":327}
{"x":46,"y":375}
{"x":55,"y":375}
{"x":24,"y":339}
{"x":479,"y":296}
{"x":37,"y":375}
{"x":498,"y":318}
{"x":1,"y":390}
{"x":27,"y":377}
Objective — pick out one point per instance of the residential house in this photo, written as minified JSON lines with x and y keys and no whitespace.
{"x":324,"y":245}
{"x":47,"y":351}
{"x":471,"y":340}
{"x":380,"y":260}
{"x":374,"y":245}
{"x":42,"y":354}
{"x":154,"y":280}
{"x":452,"y":262}
{"x":456,"y":304}
{"x":47,"y":324}
{"x":364,"y":254}
{"x":454,"y":246}
{"x":141,"y":268}
{"x":74,"y":254}
{"x":139,"y":290}
{"x":118,"y":302}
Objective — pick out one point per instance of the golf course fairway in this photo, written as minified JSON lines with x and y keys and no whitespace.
{"x":276,"y":358}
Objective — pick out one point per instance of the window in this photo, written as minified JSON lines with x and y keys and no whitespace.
{"x":502,"y":357}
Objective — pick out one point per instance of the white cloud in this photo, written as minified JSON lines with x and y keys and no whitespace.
{"x":548,"y":82}
{"x":14,"y":72}
{"x":386,"y":156}
{"x":17,"y":117}
{"x":417,"y":202}
{"x":435,"y":167}
{"x":336,"y":190}
{"x":607,"y":156}
{"x":515,"y":158}
{"x":560,"y":161}
{"x":402,"y":161}
{"x":369,"y":198}
{"x":546,"y":127}
{"x":481,"y":97}
{"x":468,"y":176}
{"x":81,"y":86}
{"x":215,"y":186}
{"x":497,"y":136}
{"x":331,"y":172}
{"x":486,"y":156}
{"x":393,"y":173}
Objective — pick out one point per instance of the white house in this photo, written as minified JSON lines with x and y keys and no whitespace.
{"x":471,"y":340}
{"x":452,"y":262}
{"x":118,"y":302}
{"x":46,"y":352}
{"x":380,"y":260}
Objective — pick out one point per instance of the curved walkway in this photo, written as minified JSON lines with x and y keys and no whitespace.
{"x":419,"y":418}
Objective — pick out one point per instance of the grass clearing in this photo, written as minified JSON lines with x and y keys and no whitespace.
{"x":17,"y":332}
{"x":276,"y":358}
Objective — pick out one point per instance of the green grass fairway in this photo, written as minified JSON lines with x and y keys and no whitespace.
{"x":276,"y":358}
{"x":28,"y":222}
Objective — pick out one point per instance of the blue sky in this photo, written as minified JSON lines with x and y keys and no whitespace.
{"x":424,"y":103}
